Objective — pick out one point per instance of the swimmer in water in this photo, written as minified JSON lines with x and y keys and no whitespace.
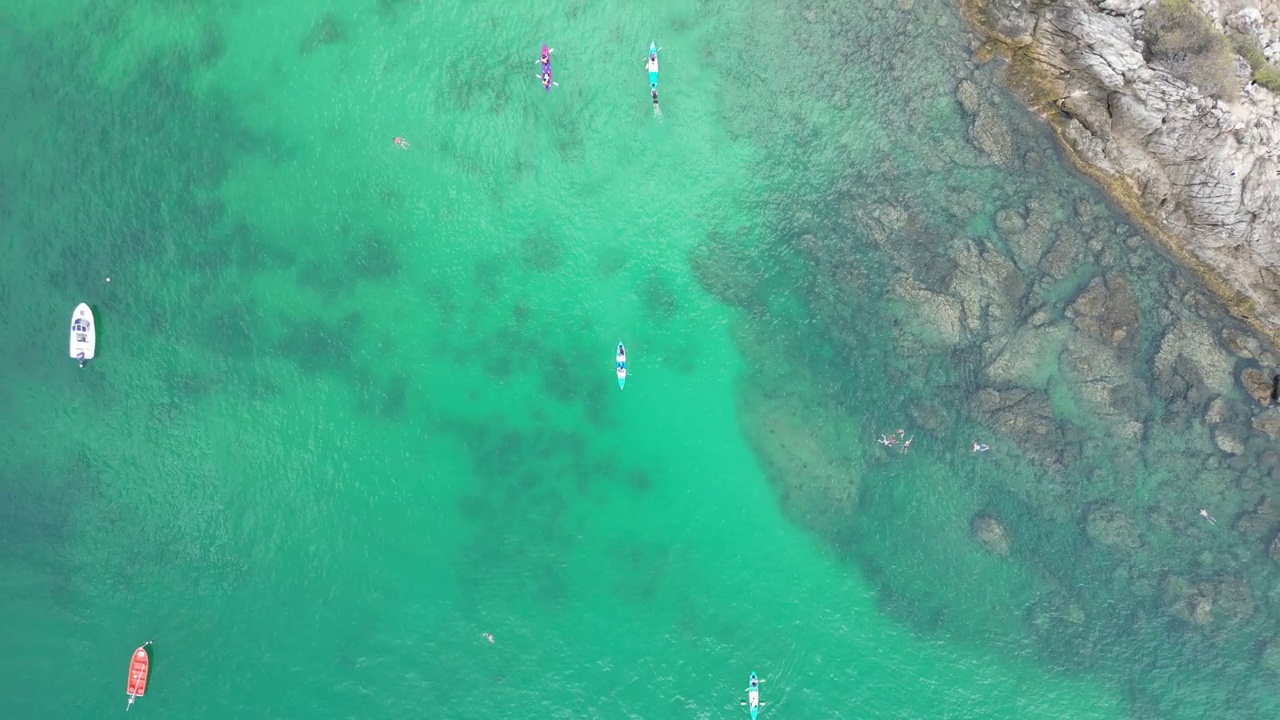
{"x":979,"y":447}
{"x":907,"y":443}
{"x":400,"y":143}
{"x":487,"y":636}
{"x":1205,"y":514}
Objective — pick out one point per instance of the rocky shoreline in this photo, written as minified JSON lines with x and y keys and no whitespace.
{"x":950,"y":277}
{"x":1200,"y":173}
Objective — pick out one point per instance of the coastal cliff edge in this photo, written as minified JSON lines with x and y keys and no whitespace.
{"x":1194,"y":159}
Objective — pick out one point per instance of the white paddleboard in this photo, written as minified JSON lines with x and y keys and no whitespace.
{"x":84,"y":333}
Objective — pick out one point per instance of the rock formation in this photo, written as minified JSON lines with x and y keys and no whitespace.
{"x":1108,"y":525}
{"x":1258,"y":384}
{"x":1198,"y":163}
{"x":990,"y":534}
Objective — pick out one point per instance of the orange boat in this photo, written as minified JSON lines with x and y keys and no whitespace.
{"x":138,"y":668}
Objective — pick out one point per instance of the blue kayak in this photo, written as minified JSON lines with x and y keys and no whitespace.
{"x":652,"y":65}
{"x":622,"y":366}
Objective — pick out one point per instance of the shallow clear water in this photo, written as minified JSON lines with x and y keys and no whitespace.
{"x":354,"y":406}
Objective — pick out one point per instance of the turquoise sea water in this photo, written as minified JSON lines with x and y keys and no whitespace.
{"x":354,"y":406}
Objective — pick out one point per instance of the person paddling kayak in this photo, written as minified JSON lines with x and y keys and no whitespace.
{"x":545,"y":75}
{"x":651,"y":65}
{"x":622,"y":366}
{"x":753,"y":696}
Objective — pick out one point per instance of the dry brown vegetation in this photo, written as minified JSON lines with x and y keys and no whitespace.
{"x":1182,"y":39}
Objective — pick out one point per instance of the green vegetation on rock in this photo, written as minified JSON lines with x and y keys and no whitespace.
{"x":1264,"y":73}
{"x":1182,"y":38}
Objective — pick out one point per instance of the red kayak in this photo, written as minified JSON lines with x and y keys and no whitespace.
{"x":138,"y":668}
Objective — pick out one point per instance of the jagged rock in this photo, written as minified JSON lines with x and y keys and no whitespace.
{"x":967,"y":95}
{"x":1019,"y":412}
{"x":1028,"y":238}
{"x":1198,"y":609}
{"x":1108,"y":525}
{"x":991,"y":134}
{"x":1062,"y":258}
{"x":1258,"y":523}
{"x":1240,"y":343}
{"x":962,"y":203}
{"x":1130,"y":430}
{"x":940,"y":316}
{"x":1121,"y":7}
{"x":1268,"y":421}
{"x":1009,"y":221}
{"x":1104,"y":381}
{"x":1226,"y":598}
{"x":1233,"y":602}
{"x":887,"y":225}
{"x":1134,"y":118}
{"x":1085,"y":211}
{"x":1091,"y":112}
{"x":989,"y":287}
{"x":1101,"y":351}
{"x":1208,"y":364}
{"x":1269,"y":460}
{"x":1108,"y":311}
{"x":990,"y":534}
{"x":1188,"y":601}
{"x":1026,"y":417}
{"x":1013,"y":19}
{"x":1216,"y":412}
{"x":1020,"y":361}
{"x":1228,"y":442}
{"x":1258,"y":384}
